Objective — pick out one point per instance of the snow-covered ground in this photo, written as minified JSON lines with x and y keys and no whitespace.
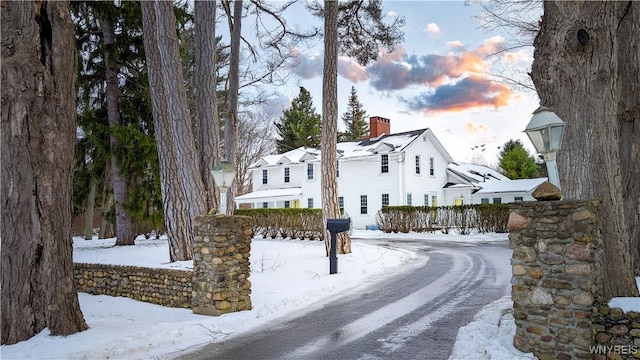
{"x":286,"y":275}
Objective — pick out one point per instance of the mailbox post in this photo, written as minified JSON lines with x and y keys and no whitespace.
{"x":335,"y":226}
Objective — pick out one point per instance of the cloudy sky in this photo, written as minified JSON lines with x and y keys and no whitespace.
{"x":438,"y":78}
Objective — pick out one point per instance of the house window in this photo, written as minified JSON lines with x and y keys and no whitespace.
{"x":265,"y":205}
{"x":409,"y":199}
{"x":432,"y":166}
{"x":484,"y":200}
{"x":265,"y":177}
{"x":417,"y":164}
{"x":518,"y":198}
{"x":363,"y":204}
{"x":286,"y":175}
{"x":310,"y":203}
{"x":426,"y":199}
{"x":337,"y":168}
{"x":287,"y":204}
{"x":341,"y":202}
{"x":497,"y":200}
{"x":385,"y":200}
{"x":384,"y":163}
{"x":434,"y":200}
{"x":309,"y":171}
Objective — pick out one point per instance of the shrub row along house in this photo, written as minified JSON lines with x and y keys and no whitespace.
{"x":409,"y":168}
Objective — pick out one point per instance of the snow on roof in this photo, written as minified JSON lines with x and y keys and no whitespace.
{"x":520,"y":185}
{"x":270,"y":194}
{"x":346,"y":149}
{"x":489,"y":180}
{"x":367,"y":147}
{"x":474,"y":173}
{"x":293,"y":156}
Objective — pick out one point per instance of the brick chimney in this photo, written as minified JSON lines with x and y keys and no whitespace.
{"x":379,"y":126}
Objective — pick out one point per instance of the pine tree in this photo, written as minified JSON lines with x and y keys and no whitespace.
{"x":516,"y":162}
{"x":355,"y":119}
{"x":135,"y":148}
{"x":299,"y":125}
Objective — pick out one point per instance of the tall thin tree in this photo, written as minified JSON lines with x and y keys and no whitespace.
{"x":38,"y":137}
{"x":330,"y":206}
{"x":354,"y":28}
{"x":207,"y":126}
{"x":124,"y":223}
{"x":183,"y":194}
{"x":231,"y":118}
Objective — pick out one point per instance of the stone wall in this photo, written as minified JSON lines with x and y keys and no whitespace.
{"x":556,"y":265}
{"x":616,"y":334}
{"x":166,"y":287}
{"x":221,"y":260}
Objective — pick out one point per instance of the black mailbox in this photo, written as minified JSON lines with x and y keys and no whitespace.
{"x":335,"y":226}
{"x":338,"y":225}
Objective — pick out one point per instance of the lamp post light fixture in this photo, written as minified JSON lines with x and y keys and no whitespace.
{"x":223,"y":175}
{"x":545,"y":130}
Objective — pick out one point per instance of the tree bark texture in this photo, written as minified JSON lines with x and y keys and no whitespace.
{"x":38,"y":139}
{"x":183,"y":195}
{"x":106,"y":227}
{"x":124,"y":222}
{"x":586,"y":69}
{"x":231,"y":120}
{"x":207,"y":126}
{"x":91,"y":204}
{"x":330,"y":207}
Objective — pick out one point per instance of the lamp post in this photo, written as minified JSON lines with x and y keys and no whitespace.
{"x":223,"y":175}
{"x":545,"y":130}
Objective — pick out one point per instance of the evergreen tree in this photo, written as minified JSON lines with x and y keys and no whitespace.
{"x":516,"y":162}
{"x":355,"y":119}
{"x":299,"y":125}
{"x":135,"y":150}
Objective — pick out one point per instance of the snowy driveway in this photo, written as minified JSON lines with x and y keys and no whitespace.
{"x":413,"y":315}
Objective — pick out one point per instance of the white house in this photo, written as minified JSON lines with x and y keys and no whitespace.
{"x":409,"y":168}
{"x":477,"y":184}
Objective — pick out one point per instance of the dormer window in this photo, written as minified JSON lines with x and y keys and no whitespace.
{"x":384,"y":163}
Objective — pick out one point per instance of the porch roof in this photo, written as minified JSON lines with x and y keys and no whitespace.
{"x":270,"y":195}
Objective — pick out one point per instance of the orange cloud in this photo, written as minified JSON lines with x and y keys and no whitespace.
{"x":473,"y":128}
{"x":470,"y":92}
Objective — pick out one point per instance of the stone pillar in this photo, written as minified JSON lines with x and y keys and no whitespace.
{"x":221,"y":264}
{"x":556,"y":264}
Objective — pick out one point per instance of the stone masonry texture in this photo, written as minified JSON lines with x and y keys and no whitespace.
{"x":166,"y":287}
{"x":221,"y":264}
{"x":556,"y":277}
{"x":558,"y":302}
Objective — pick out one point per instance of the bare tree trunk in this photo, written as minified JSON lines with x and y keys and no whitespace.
{"x":38,"y":137}
{"x":207,"y":127}
{"x":91,"y":204}
{"x":183,"y":192}
{"x":330,"y":207}
{"x":231,"y":120}
{"x":106,"y":228}
{"x":587,"y":70}
{"x":124,"y":223}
